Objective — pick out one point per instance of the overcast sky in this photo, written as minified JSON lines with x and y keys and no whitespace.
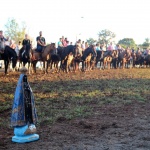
{"x":126,"y":18}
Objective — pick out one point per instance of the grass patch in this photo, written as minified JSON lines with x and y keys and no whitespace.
{"x":75,"y":95}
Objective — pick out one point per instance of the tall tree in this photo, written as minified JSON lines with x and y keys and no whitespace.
{"x":146,"y":44}
{"x":14,"y":30}
{"x":90,"y":41}
{"x":127,"y":42}
{"x":105,"y":37}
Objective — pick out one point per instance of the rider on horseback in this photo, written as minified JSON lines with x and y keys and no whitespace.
{"x":2,"y":40}
{"x":41,"y":43}
{"x":25,"y":47}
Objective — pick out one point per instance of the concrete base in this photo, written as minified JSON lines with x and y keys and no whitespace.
{"x":25,"y":138}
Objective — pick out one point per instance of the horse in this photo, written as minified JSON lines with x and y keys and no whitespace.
{"x":124,"y":58}
{"x":133,"y":55}
{"x":77,"y":58}
{"x":7,"y":54}
{"x":45,"y":57}
{"x":25,"y":57}
{"x":89,"y":56}
{"x":54,"y":61}
{"x":147,"y":60}
{"x":67,"y":57}
{"x":114,"y":58}
{"x":107,"y":59}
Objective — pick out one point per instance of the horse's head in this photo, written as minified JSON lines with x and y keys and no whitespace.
{"x":52,"y":46}
{"x":77,"y":51}
{"x":114,"y":53}
{"x":49,"y":48}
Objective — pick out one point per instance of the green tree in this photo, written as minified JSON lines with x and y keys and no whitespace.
{"x":14,"y":30}
{"x":105,"y":37}
{"x":146,"y":44}
{"x":90,"y":41}
{"x":127,"y":42}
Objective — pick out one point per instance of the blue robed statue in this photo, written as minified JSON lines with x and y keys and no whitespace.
{"x":24,"y":116}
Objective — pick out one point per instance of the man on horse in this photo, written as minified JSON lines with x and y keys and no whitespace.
{"x":26,"y":44}
{"x":2,"y":40}
{"x":41,"y":43}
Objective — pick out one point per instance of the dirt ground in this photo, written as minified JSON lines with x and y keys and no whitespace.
{"x":110,"y":127}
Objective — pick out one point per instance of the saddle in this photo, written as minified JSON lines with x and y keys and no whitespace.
{"x":33,"y":56}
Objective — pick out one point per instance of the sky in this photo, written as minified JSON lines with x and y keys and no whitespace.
{"x":82,"y":19}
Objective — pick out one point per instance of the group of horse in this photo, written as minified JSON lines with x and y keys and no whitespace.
{"x":71,"y":56}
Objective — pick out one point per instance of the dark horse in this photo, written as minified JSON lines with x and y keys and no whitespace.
{"x":8,"y":54}
{"x":25,"y":57}
{"x":88,"y":58}
{"x":66,"y":55}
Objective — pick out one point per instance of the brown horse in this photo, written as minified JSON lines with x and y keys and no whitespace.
{"x":88,"y":62}
{"x":107,"y":62}
{"x":124,"y":58}
{"x":45,"y":57}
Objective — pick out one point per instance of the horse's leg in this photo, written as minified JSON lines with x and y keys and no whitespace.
{"x":51,"y":63}
{"x":17,"y":66}
{"x":87,"y":65}
{"x":60,"y":67}
{"x":20,"y":64}
{"x":96,"y":63}
{"x":29,"y":67}
{"x":24,"y":64}
{"x":6,"y":62}
{"x":47,"y":65}
{"x":34,"y":66}
{"x":123,"y":64}
{"x":44,"y":66}
{"x":43,"y":69}
{"x":76,"y":66}
{"x":67,"y":66}
{"x":82,"y":65}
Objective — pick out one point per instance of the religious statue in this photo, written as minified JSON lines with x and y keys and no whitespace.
{"x":24,"y":116}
